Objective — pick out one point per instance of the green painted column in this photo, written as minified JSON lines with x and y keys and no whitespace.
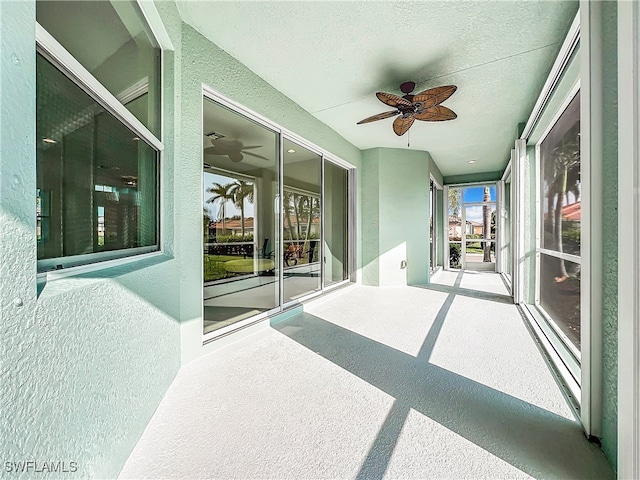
{"x":395,"y":204}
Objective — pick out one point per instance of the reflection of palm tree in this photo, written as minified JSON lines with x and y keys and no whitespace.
{"x":562,"y":175}
{"x":298,"y":201}
{"x":287,"y":210}
{"x":224,"y":194}
{"x":240,"y":191}
{"x":313,"y":205}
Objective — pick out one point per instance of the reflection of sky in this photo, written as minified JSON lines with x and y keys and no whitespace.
{"x":214,"y":208}
{"x":476,"y":194}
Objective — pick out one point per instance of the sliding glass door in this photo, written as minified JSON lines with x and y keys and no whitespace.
{"x":240,"y":224}
{"x":302,"y":226}
{"x":336,"y":233}
{"x":273,"y":231}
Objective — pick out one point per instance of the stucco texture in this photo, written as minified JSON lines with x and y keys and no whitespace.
{"x":396,"y":217}
{"x":610,"y":232}
{"x":85,"y":363}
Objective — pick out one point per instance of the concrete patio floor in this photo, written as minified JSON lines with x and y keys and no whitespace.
{"x":441,"y":381}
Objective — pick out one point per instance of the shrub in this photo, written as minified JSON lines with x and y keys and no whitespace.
{"x":454,"y":255}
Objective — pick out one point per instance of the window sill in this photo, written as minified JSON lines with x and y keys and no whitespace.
{"x":51,"y":284}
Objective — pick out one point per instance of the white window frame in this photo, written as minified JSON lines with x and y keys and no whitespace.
{"x":436,"y":240}
{"x":628,"y":234}
{"x":463,"y":224}
{"x":575,"y":90}
{"x":504,"y":234}
{"x":64,"y":61}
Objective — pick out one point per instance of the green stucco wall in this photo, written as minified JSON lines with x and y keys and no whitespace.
{"x":81,"y":374}
{"x":395,"y":184}
{"x":610,"y":232}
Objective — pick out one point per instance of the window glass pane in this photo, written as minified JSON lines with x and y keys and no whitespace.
{"x":301,"y":209}
{"x":480,"y":221}
{"x":507,"y":225}
{"x":560,"y":183}
{"x":455,"y":214}
{"x":97,"y":182}
{"x":479,"y":194}
{"x":480,"y":255}
{"x":560,"y":294}
{"x":335,"y":227}
{"x":113,"y":42}
{"x":240,"y":217}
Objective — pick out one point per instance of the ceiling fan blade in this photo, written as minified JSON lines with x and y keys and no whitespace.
{"x":393,"y":100}
{"x":235,"y":156}
{"x":434,"y":96}
{"x":249,"y":147}
{"x":256,"y":155}
{"x":213,"y":151}
{"x":379,"y":116}
{"x":402,"y":124}
{"x":439,"y":113}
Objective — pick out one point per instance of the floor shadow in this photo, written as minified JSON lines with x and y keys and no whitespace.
{"x":468,"y":292}
{"x":534,"y":440}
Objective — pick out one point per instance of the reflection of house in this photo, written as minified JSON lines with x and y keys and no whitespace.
{"x":571,"y":212}
{"x":455,"y":229}
{"x":232,"y":226}
{"x":292,"y":223}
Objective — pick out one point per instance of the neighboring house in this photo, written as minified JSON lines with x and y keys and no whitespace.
{"x":471,"y":228}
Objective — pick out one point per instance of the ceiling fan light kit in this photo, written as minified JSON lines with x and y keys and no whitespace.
{"x":424,"y":106}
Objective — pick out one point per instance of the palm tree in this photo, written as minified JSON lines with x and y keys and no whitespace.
{"x":240,"y":191}
{"x":454,"y":201}
{"x":223,"y":194}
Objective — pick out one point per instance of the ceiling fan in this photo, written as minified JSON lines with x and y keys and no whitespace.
{"x":423,"y":106}
{"x":234,"y":149}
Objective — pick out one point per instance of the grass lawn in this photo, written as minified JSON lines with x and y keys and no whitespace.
{"x":214,"y":266}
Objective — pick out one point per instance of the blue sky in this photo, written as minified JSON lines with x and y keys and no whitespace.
{"x":475,"y":194}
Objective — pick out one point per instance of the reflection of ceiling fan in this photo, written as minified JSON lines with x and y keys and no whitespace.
{"x":234,"y":149}
{"x":423,"y":106}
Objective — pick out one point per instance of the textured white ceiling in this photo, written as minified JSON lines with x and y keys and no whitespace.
{"x":331,"y":57}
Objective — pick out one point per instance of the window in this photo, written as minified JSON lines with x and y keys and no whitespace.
{"x":559,"y":251}
{"x":114,"y":43}
{"x":97,"y":160}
